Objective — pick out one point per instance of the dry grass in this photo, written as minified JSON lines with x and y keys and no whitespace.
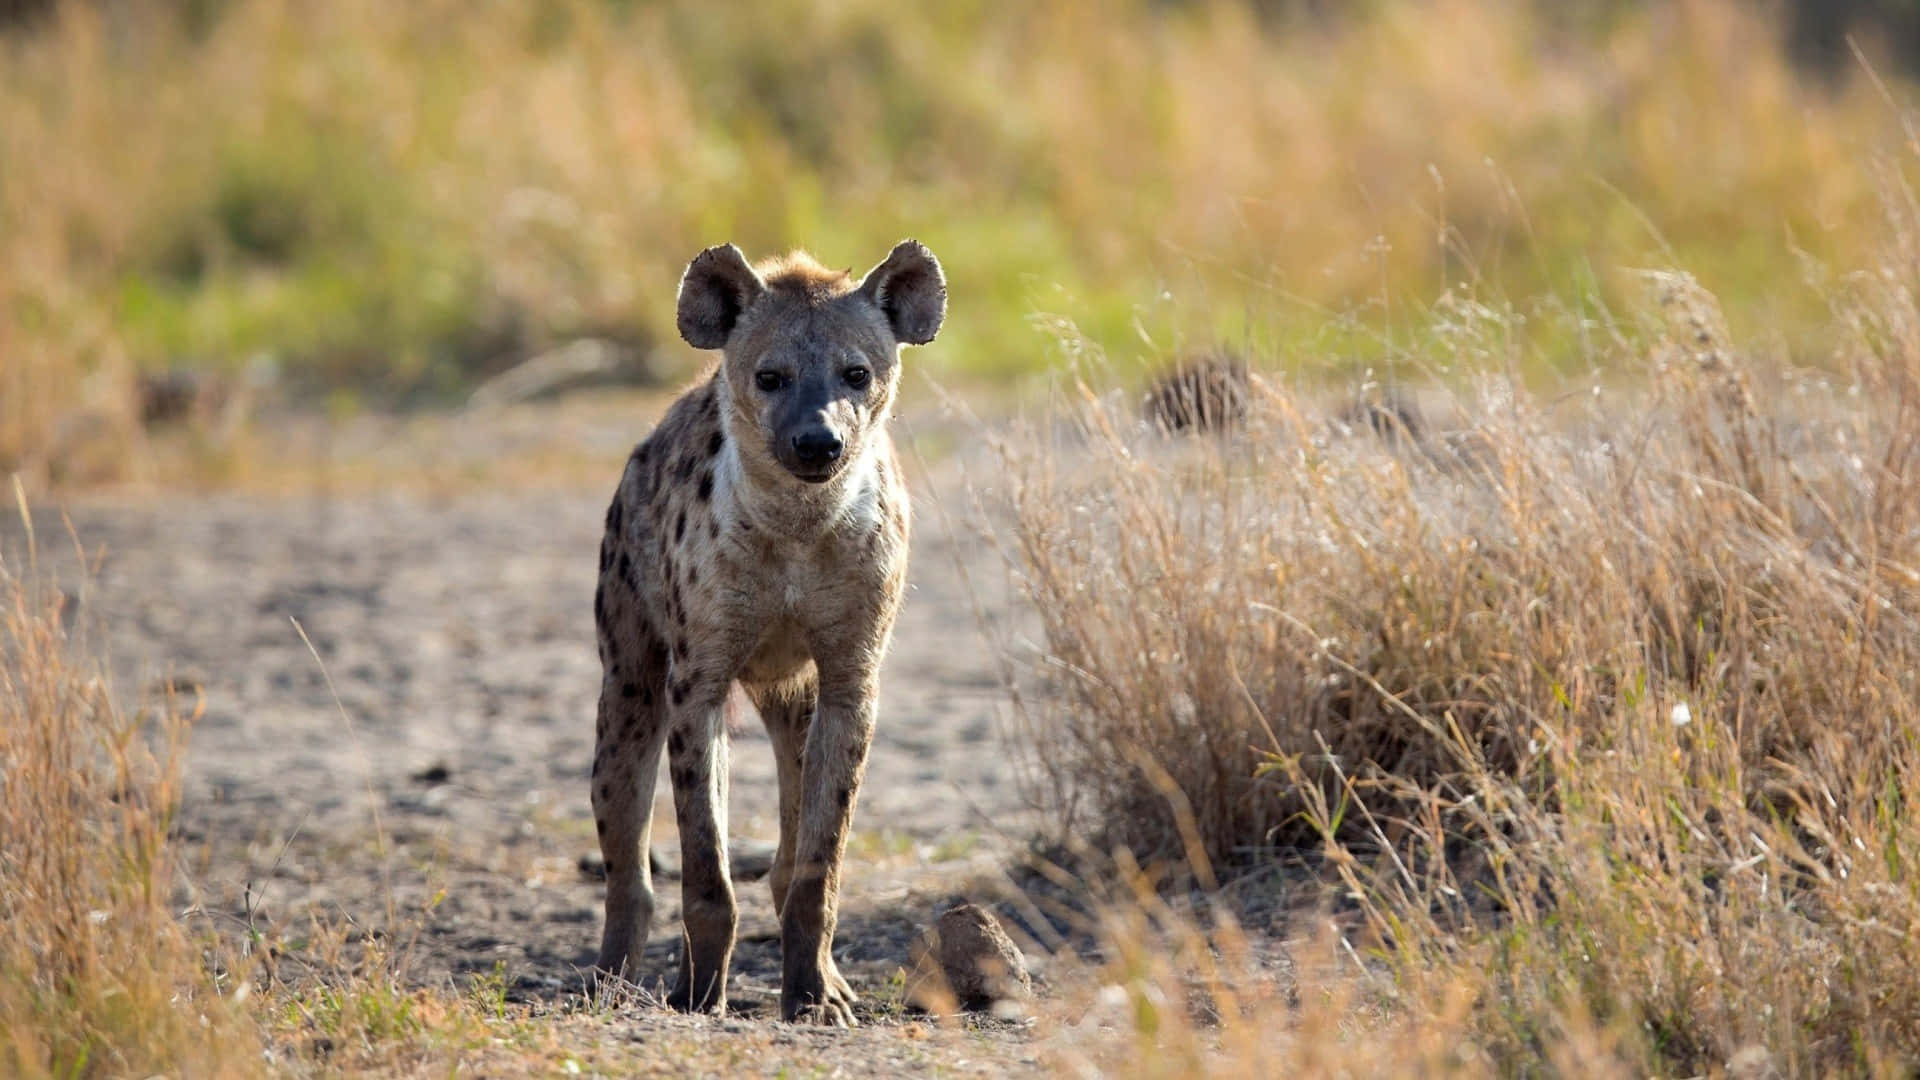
{"x":106,"y":969}
{"x":1599,"y":714}
{"x":96,"y":976}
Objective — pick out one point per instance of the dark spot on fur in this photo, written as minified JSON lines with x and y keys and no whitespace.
{"x":706,"y":486}
{"x":626,"y":566}
{"x":846,"y":797}
{"x":605,"y":791}
{"x":693,"y":576}
{"x":615,"y":516}
{"x":676,"y":744}
{"x":684,"y":470}
{"x":715,"y":893}
{"x":680,"y":695}
{"x":714,"y":444}
{"x":640,"y":454}
{"x":646,"y":696}
{"x":600,"y":603}
{"x":606,"y":556}
{"x":713,"y":529}
{"x":680,"y":648}
{"x":629,"y":690}
{"x":600,"y":826}
{"x":680,"y":527}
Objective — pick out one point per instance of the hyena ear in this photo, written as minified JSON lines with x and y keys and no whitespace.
{"x":910,"y":290}
{"x":716,"y":289}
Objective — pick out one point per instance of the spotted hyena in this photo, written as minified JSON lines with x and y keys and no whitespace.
{"x":759,"y":535}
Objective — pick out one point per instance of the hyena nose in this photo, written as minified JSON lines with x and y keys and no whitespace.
{"x":816,"y":447}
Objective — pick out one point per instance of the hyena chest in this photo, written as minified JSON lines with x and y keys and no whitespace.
{"x":780,"y":652}
{"x":782,"y":601}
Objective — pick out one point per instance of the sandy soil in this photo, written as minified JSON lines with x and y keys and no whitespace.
{"x":421,"y":770}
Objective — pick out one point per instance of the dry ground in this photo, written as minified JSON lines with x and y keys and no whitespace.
{"x":434,"y":795}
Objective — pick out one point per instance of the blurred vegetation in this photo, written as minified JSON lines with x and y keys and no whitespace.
{"x":385,"y":201}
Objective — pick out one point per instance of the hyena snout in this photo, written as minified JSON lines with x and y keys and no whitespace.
{"x":812,"y":439}
{"x":817,"y":447}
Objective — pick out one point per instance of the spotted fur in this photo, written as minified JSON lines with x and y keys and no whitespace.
{"x":759,"y":536}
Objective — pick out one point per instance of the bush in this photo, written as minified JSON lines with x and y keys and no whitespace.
{"x":1602,"y":708}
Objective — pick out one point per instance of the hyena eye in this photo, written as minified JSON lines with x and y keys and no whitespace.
{"x":858,"y":377}
{"x":769,"y":381}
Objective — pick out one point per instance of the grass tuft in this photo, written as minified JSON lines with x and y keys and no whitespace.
{"x":1596,"y":712}
{"x":97,"y":976}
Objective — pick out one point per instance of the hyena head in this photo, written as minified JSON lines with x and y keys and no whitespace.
{"x":811,"y":356}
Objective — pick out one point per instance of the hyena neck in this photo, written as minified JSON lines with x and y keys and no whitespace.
{"x":767,"y":497}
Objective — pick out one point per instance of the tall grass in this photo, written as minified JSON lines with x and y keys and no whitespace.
{"x":386,"y":199}
{"x":97,"y":978}
{"x":1602,"y":709}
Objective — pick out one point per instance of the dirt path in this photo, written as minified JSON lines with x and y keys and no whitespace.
{"x":444,"y":795}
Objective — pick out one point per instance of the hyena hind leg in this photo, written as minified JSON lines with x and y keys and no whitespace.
{"x":626,"y":765}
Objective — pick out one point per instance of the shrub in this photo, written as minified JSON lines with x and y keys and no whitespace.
{"x":1602,"y":709}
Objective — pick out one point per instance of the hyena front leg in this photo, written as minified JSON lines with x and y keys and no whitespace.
{"x":811,"y":987}
{"x":786,"y":708}
{"x":697,"y":761}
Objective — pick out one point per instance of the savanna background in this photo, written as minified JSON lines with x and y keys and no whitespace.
{"x":1493,"y":649}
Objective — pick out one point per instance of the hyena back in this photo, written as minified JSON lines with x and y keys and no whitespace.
{"x":758,"y":535}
